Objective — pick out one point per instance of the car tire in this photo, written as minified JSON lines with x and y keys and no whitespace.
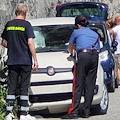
{"x":103,"y":106}
{"x":111,"y":85}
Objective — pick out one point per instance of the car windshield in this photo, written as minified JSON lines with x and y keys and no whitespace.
{"x":52,"y":38}
{"x":56,"y":37}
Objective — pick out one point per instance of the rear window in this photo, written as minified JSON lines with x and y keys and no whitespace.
{"x":88,"y":10}
{"x":91,"y":10}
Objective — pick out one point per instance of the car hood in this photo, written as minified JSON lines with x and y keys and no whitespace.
{"x":54,"y":59}
{"x":101,"y":8}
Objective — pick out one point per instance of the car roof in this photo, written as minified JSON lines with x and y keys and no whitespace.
{"x":58,"y":7}
{"x":52,"y":21}
{"x":57,"y":21}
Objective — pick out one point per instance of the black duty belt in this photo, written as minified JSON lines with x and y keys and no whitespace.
{"x":88,"y":51}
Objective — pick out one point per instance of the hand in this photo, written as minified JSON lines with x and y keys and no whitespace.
{"x":35,"y":67}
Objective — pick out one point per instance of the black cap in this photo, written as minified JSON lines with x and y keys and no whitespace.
{"x":81,"y":20}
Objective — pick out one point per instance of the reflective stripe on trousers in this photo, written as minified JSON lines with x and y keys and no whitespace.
{"x":10,"y":99}
{"x":24,"y":103}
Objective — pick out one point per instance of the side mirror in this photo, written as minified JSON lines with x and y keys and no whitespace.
{"x":114,"y":46}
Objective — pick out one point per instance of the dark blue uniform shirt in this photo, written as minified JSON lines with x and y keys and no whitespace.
{"x":16,"y":33}
{"x":84,"y":38}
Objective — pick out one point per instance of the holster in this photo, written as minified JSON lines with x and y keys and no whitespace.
{"x":73,"y":57}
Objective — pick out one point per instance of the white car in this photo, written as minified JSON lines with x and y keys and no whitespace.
{"x":51,"y":85}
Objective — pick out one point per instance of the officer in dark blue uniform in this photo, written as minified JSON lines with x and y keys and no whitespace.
{"x":85,"y":71}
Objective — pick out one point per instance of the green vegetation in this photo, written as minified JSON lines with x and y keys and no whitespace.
{"x":3,"y":104}
{"x":3,"y":93}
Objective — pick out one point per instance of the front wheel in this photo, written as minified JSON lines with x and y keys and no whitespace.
{"x":111,"y":85}
{"x":103,"y":106}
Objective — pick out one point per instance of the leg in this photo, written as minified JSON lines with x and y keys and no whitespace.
{"x":116,"y":71}
{"x":82,"y":67}
{"x":25,"y":83}
{"x":78,"y":83}
{"x":119,"y":75}
{"x":12,"y":85}
{"x":118,"y":68}
{"x":77,"y":90}
{"x":90,"y":84}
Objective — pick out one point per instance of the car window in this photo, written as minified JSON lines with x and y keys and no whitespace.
{"x":73,"y":11}
{"x":54,"y":37}
{"x":100,"y":33}
{"x":39,"y":40}
{"x":92,"y":10}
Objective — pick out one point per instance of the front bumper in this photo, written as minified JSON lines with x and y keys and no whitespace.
{"x":58,"y":103}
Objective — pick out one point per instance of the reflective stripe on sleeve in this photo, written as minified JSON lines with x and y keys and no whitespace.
{"x":23,"y":97}
{"x":24,"y":108}
{"x":10,"y":97}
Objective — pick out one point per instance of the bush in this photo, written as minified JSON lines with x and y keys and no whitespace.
{"x":3,"y":93}
{"x":3,"y":104}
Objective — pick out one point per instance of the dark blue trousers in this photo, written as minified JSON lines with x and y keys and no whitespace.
{"x":85,"y":74}
{"x":18,"y":80}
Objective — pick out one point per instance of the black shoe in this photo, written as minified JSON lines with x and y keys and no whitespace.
{"x":70,"y":116}
{"x":85,"y":115}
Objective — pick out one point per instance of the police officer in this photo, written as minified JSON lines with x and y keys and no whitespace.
{"x":85,"y":70}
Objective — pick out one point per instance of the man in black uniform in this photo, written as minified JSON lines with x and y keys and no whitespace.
{"x":85,"y":70}
{"x":18,"y":38}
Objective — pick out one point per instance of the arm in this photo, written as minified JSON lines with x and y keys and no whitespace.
{"x":70,"y":48}
{"x":33,"y":51}
{"x":4,"y":43}
{"x":112,"y":33}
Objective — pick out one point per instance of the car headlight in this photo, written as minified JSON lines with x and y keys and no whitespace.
{"x":105,"y":75}
{"x":103,"y":56}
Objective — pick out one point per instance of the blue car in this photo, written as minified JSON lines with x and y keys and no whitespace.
{"x":92,"y":10}
{"x":96,"y":13}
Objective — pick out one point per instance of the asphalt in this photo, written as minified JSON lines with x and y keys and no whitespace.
{"x":113,"y":112}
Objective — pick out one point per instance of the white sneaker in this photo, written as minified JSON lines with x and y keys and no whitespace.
{"x":27,"y":117}
{"x":8,"y":117}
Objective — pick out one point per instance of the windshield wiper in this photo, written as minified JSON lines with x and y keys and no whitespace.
{"x":51,"y":50}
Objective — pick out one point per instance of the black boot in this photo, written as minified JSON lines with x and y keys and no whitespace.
{"x":85,"y":114}
{"x":70,"y":116}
